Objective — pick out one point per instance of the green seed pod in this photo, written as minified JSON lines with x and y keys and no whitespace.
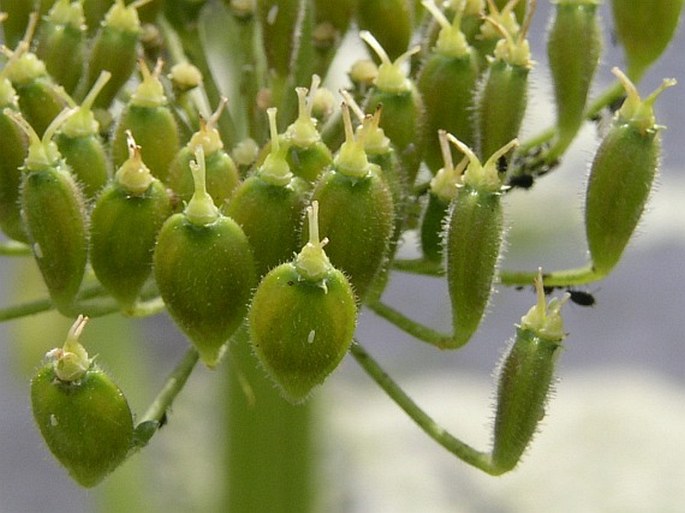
{"x":574,"y":46}
{"x":503,"y":98}
{"x":353,"y":190}
{"x":152,"y":124}
{"x":282,"y":23}
{"x":444,"y":188}
{"x":13,"y":148}
{"x":222,"y":173}
{"x":83,"y":416}
{"x":62,"y":43}
{"x":53,"y":211}
{"x":525,"y":379}
{"x":94,"y":12}
{"x":331,"y":22}
{"x":79,"y":141}
{"x":485,"y":41}
{"x":40,"y":99}
{"x":472,"y":13}
{"x":268,"y":207}
{"x":447,"y":83}
{"x":403,"y":109}
{"x":125,"y":221}
{"x":308,"y":156}
{"x":302,"y":319}
{"x":621,"y":177}
{"x":204,"y":269}
{"x":390,"y":21}
{"x":475,"y":232}
{"x":18,"y":17}
{"x":114,"y":50}
{"x":645,"y":29}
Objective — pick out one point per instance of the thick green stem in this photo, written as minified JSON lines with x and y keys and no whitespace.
{"x":270,"y":455}
{"x":563,"y":278}
{"x":13,"y":248}
{"x":461,"y":450}
{"x":411,"y":327}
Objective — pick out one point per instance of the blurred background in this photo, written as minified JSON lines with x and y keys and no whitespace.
{"x":612,"y":437}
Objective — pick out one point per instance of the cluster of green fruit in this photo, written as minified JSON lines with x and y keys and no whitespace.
{"x":139,"y":188}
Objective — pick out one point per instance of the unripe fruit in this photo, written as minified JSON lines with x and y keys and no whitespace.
{"x":152,"y":124}
{"x":475,"y":233}
{"x":83,"y":416}
{"x":268,"y":207}
{"x":447,"y":83}
{"x":525,"y":379}
{"x":222,"y":174}
{"x":403,"y":109}
{"x":53,"y":211}
{"x":62,"y":43}
{"x":114,"y":50}
{"x":644,"y":29}
{"x":574,"y":47}
{"x":621,"y":177}
{"x":390,"y":21}
{"x":356,"y":213}
{"x":13,"y":147}
{"x":79,"y":141}
{"x":302,"y":319}
{"x":204,"y":268}
{"x":125,"y":221}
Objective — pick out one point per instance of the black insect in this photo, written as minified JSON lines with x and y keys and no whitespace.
{"x":581,"y":298}
{"x":521,"y":181}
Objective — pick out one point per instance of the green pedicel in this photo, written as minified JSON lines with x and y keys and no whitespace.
{"x":204,"y":268}
{"x":525,"y":379}
{"x":475,"y":232}
{"x":621,"y":177}
{"x":83,"y":416}
{"x":125,"y":221}
{"x":302,"y":319}
{"x":268,"y":207}
{"x":222,"y":173}
{"x":152,"y":124}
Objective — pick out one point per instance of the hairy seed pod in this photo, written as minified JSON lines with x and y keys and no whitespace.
{"x":40,"y":98}
{"x":403,"y":109}
{"x":79,"y":141}
{"x":621,"y":177}
{"x":444,"y":188}
{"x":222,"y":173}
{"x":114,"y":50}
{"x":354,"y":191}
{"x":62,"y":43}
{"x":83,"y":416}
{"x":125,"y":221}
{"x":308,"y":156}
{"x":53,"y":210}
{"x":13,"y":147}
{"x":152,"y":124}
{"x":503,"y":98}
{"x":302,"y":319}
{"x":447,"y":83}
{"x":268,"y":207}
{"x":204,"y":268}
{"x":573,"y":47}
{"x":390,"y":21}
{"x":475,"y":233}
{"x":525,"y":379}
{"x":643,"y":47}
{"x":281,"y":22}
